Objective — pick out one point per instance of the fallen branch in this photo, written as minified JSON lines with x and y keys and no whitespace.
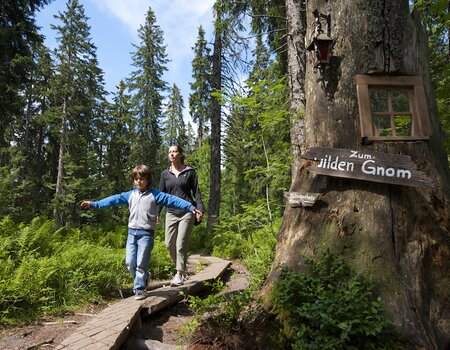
{"x":58,"y":322}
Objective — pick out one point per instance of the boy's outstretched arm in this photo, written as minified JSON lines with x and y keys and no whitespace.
{"x":111,"y":201}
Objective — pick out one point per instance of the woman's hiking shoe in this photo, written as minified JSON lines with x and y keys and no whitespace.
{"x":140,"y":294}
{"x":177,"y":281}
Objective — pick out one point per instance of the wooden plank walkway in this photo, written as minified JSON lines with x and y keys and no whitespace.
{"x":112,"y":326}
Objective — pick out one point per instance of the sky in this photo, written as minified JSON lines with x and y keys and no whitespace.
{"x":114,"y":29}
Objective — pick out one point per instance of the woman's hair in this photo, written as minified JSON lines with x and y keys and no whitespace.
{"x":181,"y":151}
{"x":142,"y":170}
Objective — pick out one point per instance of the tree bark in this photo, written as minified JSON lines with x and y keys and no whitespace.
{"x":399,"y":234}
{"x":296,"y":29}
{"x":59,"y":191}
{"x":215,"y":176}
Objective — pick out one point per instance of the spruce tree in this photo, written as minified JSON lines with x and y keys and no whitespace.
{"x":147,"y":86}
{"x":30,"y":191}
{"x":120,"y":138}
{"x":174,"y":128}
{"x":18,"y":35}
{"x":216,"y":121}
{"x":200,"y":98}
{"x":78,"y":97}
{"x":22,"y":133}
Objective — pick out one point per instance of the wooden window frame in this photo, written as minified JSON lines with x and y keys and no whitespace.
{"x":420,"y":127}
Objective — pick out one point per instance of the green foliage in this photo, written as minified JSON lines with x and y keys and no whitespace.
{"x":330,"y":307}
{"x":260,"y":253}
{"x":200,"y":161}
{"x":225,"y":309}
{"x":200,"y":98}
{"x":147,"y":85}
{"x":257,"y":147}
{"x":235,"y":236}
{"x":161,"y":266}
{"x":76,"y":274}
{"x":200,"y":241}
{"x":76,"y":118}
{"x":435,"y":17}
{"x":174,"y":128}
{"x":18,"y":38}
{"x":249,"y":236}
{"x":45,"y":269}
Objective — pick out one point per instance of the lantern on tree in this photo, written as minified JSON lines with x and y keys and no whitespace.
{"x":321,"y":43}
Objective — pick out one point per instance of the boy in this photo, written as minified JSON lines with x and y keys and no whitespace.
{"x":142,"y":202}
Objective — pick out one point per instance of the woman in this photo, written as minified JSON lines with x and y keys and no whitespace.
{"x":179,"y":180}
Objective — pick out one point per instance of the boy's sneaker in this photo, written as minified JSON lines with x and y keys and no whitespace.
{"x":140,"y":294}
{"x":177,"y":281}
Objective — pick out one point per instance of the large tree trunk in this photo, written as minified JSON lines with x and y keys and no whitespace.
{"x":399,"y":233}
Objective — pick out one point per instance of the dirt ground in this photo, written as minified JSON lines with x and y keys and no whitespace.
{"x":47,"y":333}
{"x":164,"y":326}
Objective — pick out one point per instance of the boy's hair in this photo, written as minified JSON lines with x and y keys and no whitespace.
{"x":142,"y":170}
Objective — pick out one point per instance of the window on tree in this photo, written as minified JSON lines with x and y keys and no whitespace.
{"x":392,"y":108}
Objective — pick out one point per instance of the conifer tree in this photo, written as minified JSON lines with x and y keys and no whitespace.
{"x":435,"y":15}
{"x":18,"y":35}
{"x":191,"y":144}
{"x":257,"y":139}
{"x":200,"y":98}
{"x":216,"y":120}
{"x":30,"y":193}
{"x":121,"y":134}
{"x":22,"y":133}
{"x":174,"y":128}
{"x":77,"y":101}
{"x":147,"y":85}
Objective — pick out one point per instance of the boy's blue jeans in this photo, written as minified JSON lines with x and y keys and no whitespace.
{"x":137,"y":255}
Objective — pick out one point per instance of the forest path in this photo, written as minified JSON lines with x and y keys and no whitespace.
{"x":113,"y":325}
{"x":161,"y":328}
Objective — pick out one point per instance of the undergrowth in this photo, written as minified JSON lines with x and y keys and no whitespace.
{"x":45,"y":270}
{"x":330,"y":307}
{"x":221,"y":318}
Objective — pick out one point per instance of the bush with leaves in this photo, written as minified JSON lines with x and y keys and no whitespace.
{"x":161,"y":266}
{"x":236,"y":236}
{"x":46,"y":270}
{"x":225,"y":314}
{"x":76,"y":274}
{"x":330,"y":307}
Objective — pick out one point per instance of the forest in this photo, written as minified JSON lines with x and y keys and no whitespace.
{"x":64,"y":139}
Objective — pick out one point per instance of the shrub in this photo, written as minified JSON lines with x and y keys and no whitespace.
{"x":260,"y":253}
{"x":225,"y":315}
{"x":161,"y":266}
{"x":329,"y":307}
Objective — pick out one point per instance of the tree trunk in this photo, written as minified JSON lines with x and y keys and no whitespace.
{"x":57,"y":211}
{"x":214,"y":188}
{"x":398,"y":233}
{"x":296,"y":29}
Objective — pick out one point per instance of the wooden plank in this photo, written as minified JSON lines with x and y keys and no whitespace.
{"x":365,"y":119}
{"x":111,"y":327}
{"x":389,"y":80}
{"x":396,"y":169}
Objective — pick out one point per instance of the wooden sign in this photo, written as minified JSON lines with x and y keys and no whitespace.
{"x":381,"y":167}
{"x":297,"y":199}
